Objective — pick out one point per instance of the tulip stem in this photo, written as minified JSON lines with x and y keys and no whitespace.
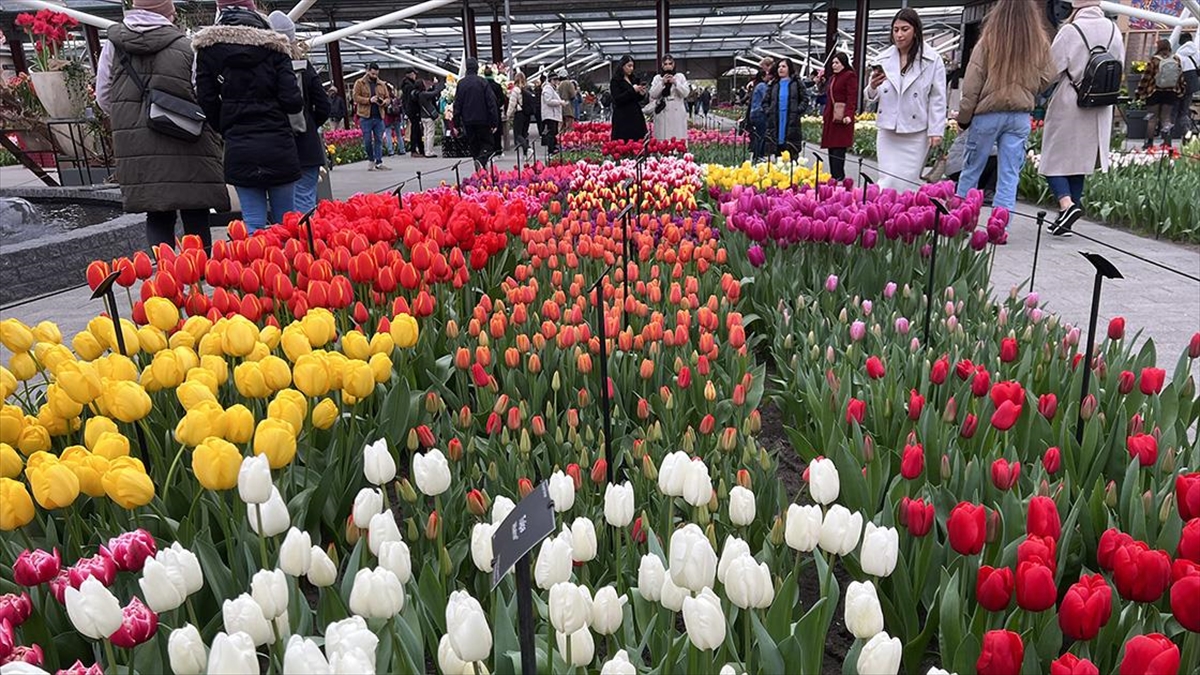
{"x":112,"y":659}
{"x":129,"y":669}
{"x":262,"y":539}
{"x":550,"y":643}
{"x":749,"y":646}
{"x":191,"y":611}
{"x":570,"y":643}
{"x":171,"y":472}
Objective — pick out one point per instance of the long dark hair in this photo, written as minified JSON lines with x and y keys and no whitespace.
{"x":909,"y":16}
{"x":841,"y":58}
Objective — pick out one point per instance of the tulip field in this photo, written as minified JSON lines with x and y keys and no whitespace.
{"x":294,"y":459}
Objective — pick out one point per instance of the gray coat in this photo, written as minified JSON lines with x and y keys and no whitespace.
{"x":157,"y":172}
{"x":1076,"y":140}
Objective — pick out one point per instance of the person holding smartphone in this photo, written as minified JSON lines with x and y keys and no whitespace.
{"x":910,"y":86}
{"x":370,"y":100}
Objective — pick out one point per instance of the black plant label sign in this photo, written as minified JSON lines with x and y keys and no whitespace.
{"x":528,"y":524}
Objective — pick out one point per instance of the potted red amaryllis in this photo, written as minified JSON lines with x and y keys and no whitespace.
{"x":49,"y":31}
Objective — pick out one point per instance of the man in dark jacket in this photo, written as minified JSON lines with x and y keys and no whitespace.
{"x":477,"y":112}
{"x":245,"y":84}
{"x":501,"y":100}
{"x":307,"y":124}
{"x":337,"y":107}
{"x":410,"y":88}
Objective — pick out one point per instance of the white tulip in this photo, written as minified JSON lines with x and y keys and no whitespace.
{"x":734,"y":548}
{"x":840,"y":531}
{"x":233,"y":653}
{"x":697,"y":486}
{"x":693,"y":561}
{"x":501,"y":507}
{"x":394,"y":556}
{"x":618,"y":504}
{"x":704,"y":620}
{"x":583,"y":541}
{"x":729,"y":669}
{"x":880,"y":548}
{"x":382,"y":528}
{"x":376,"y":594}
{"x":348,"y":636}
{"x":186,"y":651}
{"x":254,"y":479}
{"x":651,"y":572}
{"x":749,"y":584}
{"x":934,"y":670}
{"x":583,"y":647}
{"x":672,"y":596}
{"x":431,"y":472}
{"x":379,"y":467}
{"x":367,"y":503}
{"x":880,"y":656}
{"x":304,"y":657}
{"x":295,"y":554}
{"x":608,"y":610}
{"x":245,"y":616}
{"x":823,"y":482}
{"x":562,"y":491}
{"x":448,"y":661}
{"x":162,"y":586}
{"x":619,"y":664}
{"x":351,"y":663}
{"x":481,"y":546}
{"x":467,"y":626}
{"x":570,"y":607}
{"x":275,"y":518}
{"x":20,"y":668}
{"x":863,"y":614}
{"x":553,"y":562}
{"x":321,"y":570}
{"x":741,"y":506}
{"x":93,"y":609}
{"x":671,"y":473}
{"x":270,"y":590}
{"x":803,"y":527}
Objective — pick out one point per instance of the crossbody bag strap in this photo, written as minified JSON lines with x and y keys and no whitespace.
{"x":1086,"y":47}
{"x":127,"y":62}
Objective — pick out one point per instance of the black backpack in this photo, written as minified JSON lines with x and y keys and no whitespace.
{"x":528,"y":102}
{"x":1100,"y":85}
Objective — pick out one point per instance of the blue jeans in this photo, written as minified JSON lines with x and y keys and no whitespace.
{"x":260,"y":203}
{"x":1007,"y":131}
{"x":372,"y":130}
{"x":1063,"y":186}
{"x":306,"y":189}
{"x":758,"y":132}
{"x":396,"y":128}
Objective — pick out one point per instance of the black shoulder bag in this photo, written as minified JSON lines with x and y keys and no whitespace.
{"x":166,"y":113}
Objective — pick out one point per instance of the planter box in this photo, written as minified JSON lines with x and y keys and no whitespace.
{"x":1135,"y":123}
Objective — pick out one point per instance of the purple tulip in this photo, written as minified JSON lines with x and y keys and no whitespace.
{"x":902,"y":325}
{"x":831,"y":283}
{"x":757,"y":255}
{"x":889,"y":290}
{"x":866,"y":307}
{"x":979,"y":239}
{"x":858,"y":331}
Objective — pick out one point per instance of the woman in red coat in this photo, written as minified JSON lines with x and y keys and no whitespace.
{"x":837,"y":132}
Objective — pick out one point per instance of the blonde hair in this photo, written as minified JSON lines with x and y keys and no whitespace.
{"x":520,"y":79}
{"x":1015,"y":43}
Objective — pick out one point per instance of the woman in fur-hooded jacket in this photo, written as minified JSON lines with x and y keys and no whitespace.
{"x":246,"y":86}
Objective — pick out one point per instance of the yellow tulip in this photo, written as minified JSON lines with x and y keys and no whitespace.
{"x":324,"y":413}
{"x":23,"y":366}
{"x":61,"y":403}
{"x":238,"y":424}
{"x":269,"y":335}
{"x":88,"y":468}
{"x":162,"y":313}
{"x":288,"y":410}
{"x":197,"y":326}
{"x":12,"y":423}
{"x":47,"y":331}
{"x":117,"y":367}
{"x":8,"y":383}
{"x":217,"y":366}
{"x":153,"y":340}
{"x":358,"y":379}
{"x":54,"y":484}
{"x":311,"y":376}
{"x":111,"y":445}
{"x":249,"y":380}
{"x":355,"y":345}
{"x":404,"y":331}
{"x":149,"y":382}
{"x":216,"y":463}
{"x":94,"y":428}
{"x":276,"y":372}
{"x":34,"y":438}
{"x":188,"y":358}
{"x":295,"y":342}
{"x":129,"y":332}
{"x":210,"y":344}
{"x":15,"y":335}
{"x":199,"y":423}
{"x":319,"y":325}
{"x":126,"y":401}
{"x":87,"y":346}
{"x":381,"y":366}
{"x":239,"y":336}
{"x":259,"y":352}
{"x":127,"y":484}
{"x":192,"y":393}
{"x":11,"y":463}
{"x":182,"y":338}
{"x":275,"y":439}
{"x":52,"y":422}
{"x":80,"y":380}
{"x":382,"y":343}
{"x":51,"y":356}
{"x":16,"y":508}
{"x":203,"y":376}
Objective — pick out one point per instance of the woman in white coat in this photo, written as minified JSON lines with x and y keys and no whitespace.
{"x":667,"y":94}
{"x":911,"y":93}
{"x":1075,"y":139}
{"x":552,"y":106}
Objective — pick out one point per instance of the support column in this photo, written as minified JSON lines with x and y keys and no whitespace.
{"x":92,"y":34}
{"x":497,"y":42}
{"x":336,"y":76}
{"x":16,"y":48}
{"x":831,"y":34}
{"x":662,"y":17}
{"x":470,"y":43}
{"x":861,"y":11}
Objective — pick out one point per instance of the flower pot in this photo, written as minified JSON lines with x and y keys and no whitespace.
{"x":52,"y":92}
{"x":1135,"y":123}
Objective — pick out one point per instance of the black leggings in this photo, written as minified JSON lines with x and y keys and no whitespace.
{"x":550,"y":136}
{"x":416,"y":144}
{"x":160,"y":226}
{"x":837,"y":163}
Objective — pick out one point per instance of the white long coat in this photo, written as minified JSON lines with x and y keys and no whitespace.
{"x":1077,"y":139}
{"x":672,"y":121}
{"x":912,"y":102}
{"x":552,"y":103}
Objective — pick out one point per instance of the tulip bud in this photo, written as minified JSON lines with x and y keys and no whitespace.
{"x":777,"y":532}
{"x":1167,"y":508}
{"x":454,"y":449}
{"x":412,"y":442}
{"x":951,"y":411}
{"x":755,"y":422}
{"x":946,"y":474}
{"x":1110,"y":495}
{"x":1088,"y":407}
{"x":868,"y":448}
{"x":433,"y":526}
{"x":743,"y":478}
{"x":464,"y":418}
{"x":407,"y":492}
{"x":477,"y":503}
{"x":993,"y":526}
{"x":352,"y":531}
{"x":1147,"y":500}
{"x":524,"y":487}
{"x":599,"y":473}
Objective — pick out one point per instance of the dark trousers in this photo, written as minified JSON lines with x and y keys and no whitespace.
{"x":1183,"y":117}
{"x":550,"y":136}
{"x":415,"y":145}
{"x":498,"y":138}
{"x":479,"y":140}
{"x":837,"y":163}
{"x":758,"y":132}
{"x":521,"y":130}
{"x":160,"y":226}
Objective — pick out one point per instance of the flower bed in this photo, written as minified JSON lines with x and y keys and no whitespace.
{"x":345,"y":146}
{"x":592,"y":141}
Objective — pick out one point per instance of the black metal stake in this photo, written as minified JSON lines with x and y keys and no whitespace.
{"x":865,"y":180}
{"x":525,"y":617}
{"x":419,"y":185}
{"x":306,"y":223}
{"x":605,"y":402}
{"x":1037,"y":247}
{"x":1104,"y":269}
{"x":105,"y":291}
{"x":939,"y":208}
{"x":458,"y":179}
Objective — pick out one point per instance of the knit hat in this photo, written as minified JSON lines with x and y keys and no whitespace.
{"x":561,"y":72}
{"x":163,"y":7}
{"x":280,"y":23}
{"x":244,"y":4}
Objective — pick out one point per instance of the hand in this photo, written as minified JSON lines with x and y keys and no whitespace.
{"x":845,"y":120}
{"x":935,"y":141}
{"x":877,"y":78}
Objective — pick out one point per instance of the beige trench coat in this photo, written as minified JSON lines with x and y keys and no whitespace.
{"x":1076,"y":140}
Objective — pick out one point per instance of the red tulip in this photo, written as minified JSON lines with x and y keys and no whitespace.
{"x":969,"y":426}
{"x":100,"y":566}
{"x":1152,"y":654}
{"x":1140,"y":573}
{"x":97,"y":271}
{"x":1151,"y":381}
{"x":1008,"y":350}
{"x":1110,"y":542}
{"x":477,"y":503}
{"x":994,"y":588}
{"x":1116,"y":328}
{"x":524,"y":487}
{"x":1042,"y":519}
{"x":138,"y":625}
{"x":1048,"y":405}
{"x":36,"y":567}
{"x":637,"y":532}
{"x":1069,"y":664}
{"x":684,"y":380}
{"x":130,"y":550}
{"x":1187,"y":495}
{"x":916,"y":403}
{"x":1144,"y":447}
{"x":941,"y":368}
{"x":967,"y":528}
{"x":916,"y":516}
{"x":1052,"y":460}
{"x":1002,"y":653}
{"x":912,"y":461}
{"x":1005,"y":474}
{"x":1189,"y":541}
{"x":1036,"y":591}
{"x":576,"y":475}
{"x":1085,"y":608}
{"x":1005,"y":416}
{"x":1193,"y":350}
{"x":479,"y":376}
{"x":1125,"y":381}
{"x":599,"y":473}
{"x":964,"y":369}
{"x":875,"y":369}
{"x":31,"y":654}
{"x":1038,"y":549}
{"x":15,"y":609}
{"x":78,"y":668}
{"x":856,"y":410}
{"x":981,"y":383}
